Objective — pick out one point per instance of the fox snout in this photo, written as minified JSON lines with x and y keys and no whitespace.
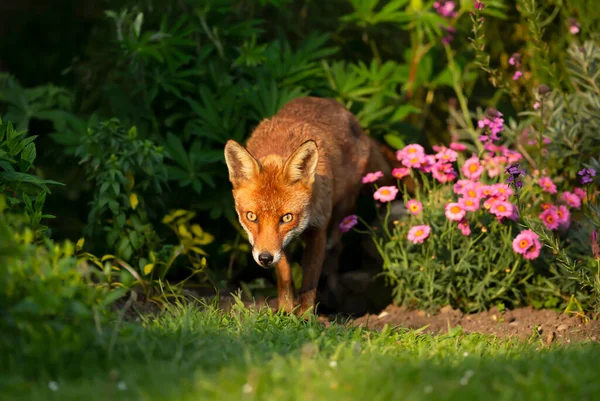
{"x":266,"y":259}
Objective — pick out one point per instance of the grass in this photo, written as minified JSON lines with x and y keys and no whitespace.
{"x":189,"y":353}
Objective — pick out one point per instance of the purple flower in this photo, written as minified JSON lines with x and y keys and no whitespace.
{"x":586,"y":175}
{"x":495,"y":124}
{"x":515,"y":172}
{"x":348,"y":222}
{"x":478,"y":5}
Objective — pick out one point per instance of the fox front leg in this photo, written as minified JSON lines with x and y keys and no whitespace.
{"x":312,"y":264}
{"x":285,"y":284}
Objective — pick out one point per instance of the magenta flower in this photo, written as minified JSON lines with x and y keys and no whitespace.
{"x":494,"y":123}
{"x":586,"y":175}
{"x":469,"y":204}
{"x":571,"y":199}
{"x":385,"y":194}
{"x":445,"y":8}
{"x":536,"y":105}
{"x":518,"y":74}
{"x":400,"y":172}
{"x":564,"y":216}
{"x":428,"y":163}
{"x":472,"y":169}
{"x":550,"y":218}
{"x":478,"y":5}
{"x":443,"y":172}
{"x":527,"y":243}
{"x":454,"y":212}
{"x":547,"y":185}
{"x":372,"y":177}
{"x":502,"y":208}
{"x":348,"y":222}
{"x":580,"y":192}
{"x":464,"y":228}
{"x":414,"y":206}
{"x":418,"y":234}
{"x":459,"y":147}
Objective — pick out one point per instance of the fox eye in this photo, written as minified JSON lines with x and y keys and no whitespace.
{"x":287,"y":217}
{"x":251,"y":216}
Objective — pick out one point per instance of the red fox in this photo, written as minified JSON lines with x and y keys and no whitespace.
{"x":300,"y":174}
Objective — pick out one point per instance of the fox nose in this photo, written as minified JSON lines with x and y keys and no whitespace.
{"x":265,"y":258}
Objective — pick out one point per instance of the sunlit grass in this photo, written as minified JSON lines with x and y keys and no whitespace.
{"x":188,"y":353}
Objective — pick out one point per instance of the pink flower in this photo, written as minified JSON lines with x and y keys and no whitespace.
{"x":472,"y":169}
{"x":446,"y":155}
{"x":571,"y":199}
{"x":469,"y":204}
{"x":428,"y":163}
{"x":414,"y":206}
{"x":418,"y":234}
{"x":459,"y":147}
{"x":414,"y":160}
{"x":400,"y":172}
{"x":454,"y":212}
{"x":502,"y":191}
{"x":490,"y":202}
{"x":547,"y":185}
{"x":493,"y":166}
{"x":410,"y":151}
{"x":460,"y":186}
{"x":445,"y":8}
{"x":372,"y":177}
{"x":550,"y":218}
{"x":573,"y":26}
{"x":518,"y":74}
{"x":386,"y":194}
{"x":348,"y":222}
{"x":536,"y":105}
{"x":443,"y":172}
{"x":527,"y":243}
{"x":471,"y":190}
{"x":485,"y":191}
{"x":580,"y":192}
{"x":564,"y":216}
{"x":502,"y":208}
{"x":463,"y":226}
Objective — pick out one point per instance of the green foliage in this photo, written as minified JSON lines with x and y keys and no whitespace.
{"x":27,"y":192}
{"x":51,"y":311}
{"x":128,"y":176}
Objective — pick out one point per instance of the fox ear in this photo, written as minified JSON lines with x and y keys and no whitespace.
{"x":241,"y":164}
{"x":302,"y":164}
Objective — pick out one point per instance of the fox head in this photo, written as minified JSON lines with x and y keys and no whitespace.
{"x":272,"y":196}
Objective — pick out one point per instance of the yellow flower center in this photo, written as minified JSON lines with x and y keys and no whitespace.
{"x":472,"y":193}
{"x":501,"y":208}
{"x":455,"y":209}
{"x":523,"y":244}
{"x":473,"y":168}
{"x":385,"y":192}
{"x":419,"y":233}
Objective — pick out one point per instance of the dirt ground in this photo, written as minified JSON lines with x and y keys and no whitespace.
{"x":548,"y":325}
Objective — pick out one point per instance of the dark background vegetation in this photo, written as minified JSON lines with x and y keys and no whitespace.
{"x":215,"y":69}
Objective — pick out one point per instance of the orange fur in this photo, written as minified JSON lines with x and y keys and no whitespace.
{"x":306,"y":161}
